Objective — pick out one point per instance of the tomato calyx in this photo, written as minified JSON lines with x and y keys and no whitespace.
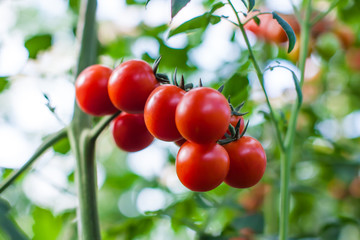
{"x":186,"y":87}
{"x":236,"y":111}
{"x":235,"y":132}
{"x":160,"y":77}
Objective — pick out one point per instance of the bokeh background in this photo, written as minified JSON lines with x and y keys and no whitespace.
{"x":140,"y":196}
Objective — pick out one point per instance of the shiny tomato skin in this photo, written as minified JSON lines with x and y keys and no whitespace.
{"x":130,"y":133}
{"x":247,"y":162}
{"x":159,"y":112}
{"x":130,"y":85}
{"x":91,"y":91}
{"x":203,"y":115}
{"x":202,"y":167}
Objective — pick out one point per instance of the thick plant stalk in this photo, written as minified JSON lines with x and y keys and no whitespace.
{"x":290,"y":134}
{"x":82,"y":144}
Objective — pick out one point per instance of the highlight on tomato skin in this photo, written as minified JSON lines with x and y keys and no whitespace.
{"x":247,"y":162}
{"x":130,"y":85}
{"x":159,"y":112}
{"x":130,"y":133}
{"x":203,"y":115}
{"x":91,"y":91}
{"x":202,"y":167}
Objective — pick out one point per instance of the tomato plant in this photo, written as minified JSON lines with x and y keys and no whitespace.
{"x":202,"y":167}
{"x":91,"y":91}
{"x":130,"y":85}
{"x":130,"y":133}
{"x":203,"y":115}
{"x":247,"y":162}
{"x":159,"y":112}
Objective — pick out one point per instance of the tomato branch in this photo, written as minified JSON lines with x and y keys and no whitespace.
{"x":260,"y":77}
{"x":100,"y":126}
{"x":46,"y":144}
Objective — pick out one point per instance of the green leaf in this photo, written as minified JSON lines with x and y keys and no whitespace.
{"x":195,"y":23}
{"x":62,"y":146}
{"x":177,"y":5}
{"x":288,"y":30}
{"x":254,"y":222}
{"x":238,"y":88}
{"x":216,"y":6}
{"x":46,"y":226}
{"x":38,"y":43}
{"x":251,"y":5}
{"x":74,"y":6}
{"x":257,"y":20}
{"x":8,"y":225}
{"x":243,"y":1}
{"x":4,"y":83}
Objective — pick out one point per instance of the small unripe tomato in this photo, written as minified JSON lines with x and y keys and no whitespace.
{"x":130,"y":85}
{"x":202,"y":167}
{"x":159,"y":112}
{"x":203,"y":115}
{"x":247,"y":162}
{"x":130,"y":133}
{"x":91,"y":91}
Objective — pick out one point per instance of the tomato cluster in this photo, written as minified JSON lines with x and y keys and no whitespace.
{"x":200,"y":120}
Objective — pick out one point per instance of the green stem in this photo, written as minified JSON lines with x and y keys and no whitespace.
{"x":290,"y":134}
{"x":82,"y":143}
{"x":100,"y":126}
{"x":323,"y":14}
{"x":47,"y":143}
{"x":260,"y":76}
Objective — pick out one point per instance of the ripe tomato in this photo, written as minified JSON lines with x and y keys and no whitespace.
{"x":202,"y":167}
{"x":203,"y":115}
{"x":233,"y":121}
{"x":247,"y":162}
{"x":130,"y":133}
{"x":130,"y":85}
{"x":91,"y":91}
{"x":159,"y":112}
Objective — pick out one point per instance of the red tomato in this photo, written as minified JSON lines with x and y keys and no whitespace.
{"x":202,"y":167}
{"x":91,"y":91}
{"x":203,"y":115}
{"x":159,"y":112}
{"x":247,"y":162}
{"x":233,"y":121}
{"x":130,"y":85}
{"x":270,"y":30}
{"x":130,"y":133}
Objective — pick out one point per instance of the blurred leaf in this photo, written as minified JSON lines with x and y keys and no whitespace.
{"x":74,"y":6}
{"x":288,"y":30}
{"x":7,"y":225}
{"x":216,"y":6}
{"x":237,"y":87}
{"x":177,"y":5}
{"x":62,"y":146}
{"x":4,"y":206}
{"x":254,"y":222}
{"x":38,"y":43}
{"x":4,"y":83}
{"x":46,"y":226}
{"x":251,"y":5}
{"x":203,"y":201}
{"x":198,"y":22}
